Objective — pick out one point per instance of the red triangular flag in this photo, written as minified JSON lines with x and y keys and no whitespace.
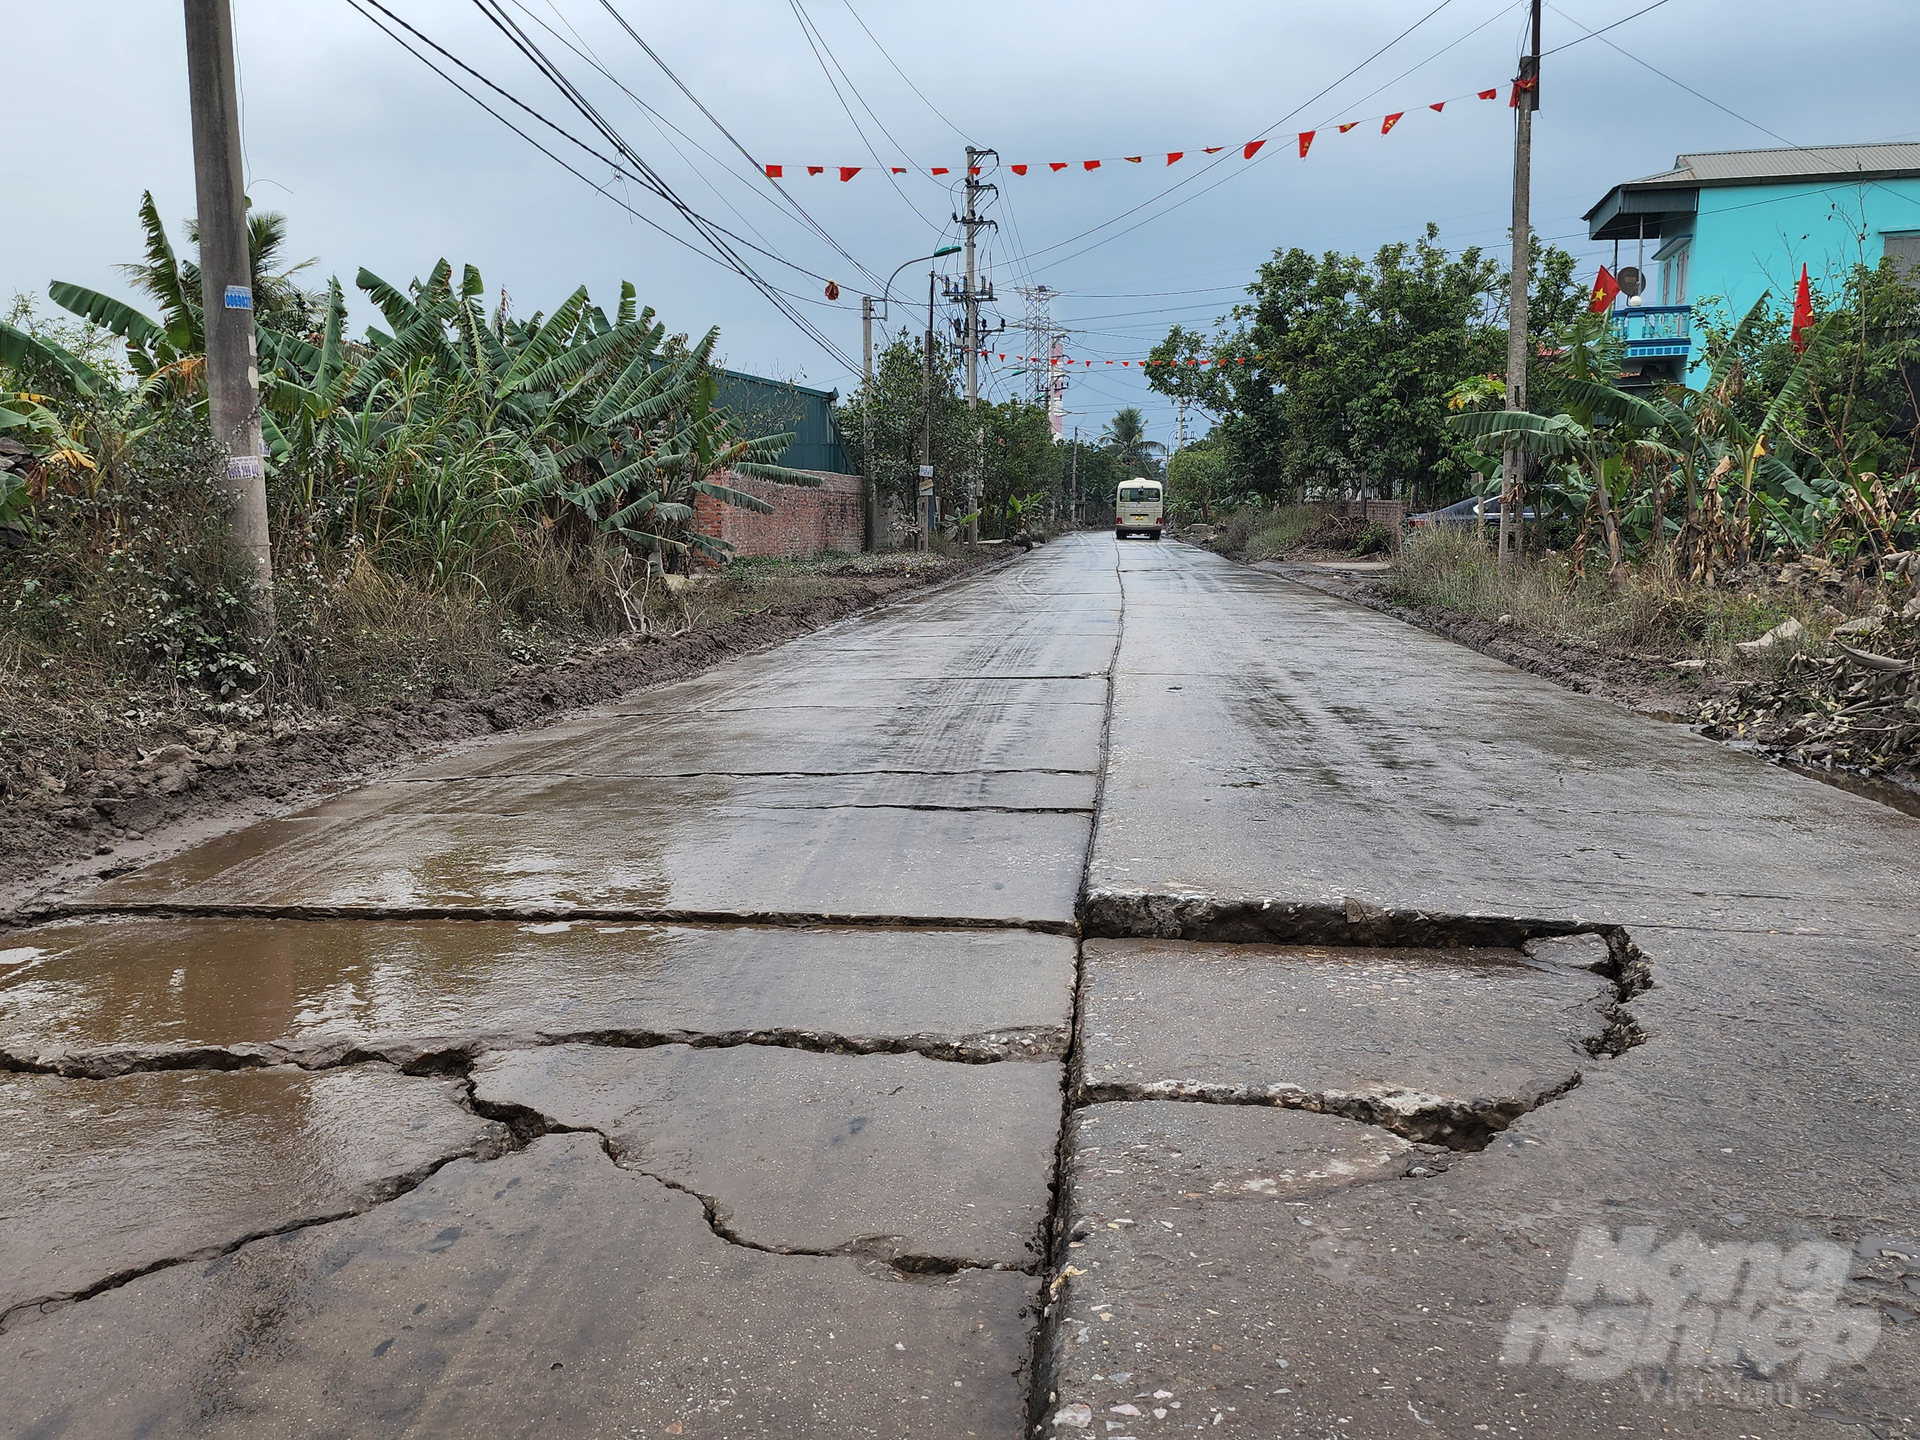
{"x":1251,"y":146}
{"x":939,"y":170}
{"x":847,"y":172}
{"x":1132,"y":159}
{"x":774,"y":172}
{"x":1513,"y":101}
{"x":1605,"y":289}
{"x":1126,"y":362}
{"x":1802,"y":313}
{"x":1018,"y":169}
{"x":899,"y":169}
{"x":1056,"y":164}
{"x":1213,"y":149}
{"x":1493,"y":94}
{"x":1306,"y":139}
{"x":1090,"y":164}
{"x":1391,"y":121}
{"x":1437,"y":106}
{"x":1348,"y":126}
{"x":1173,"y":155}
{"x":1003,"y":355}
{"x":816,"y":169}
{"x":973,"y":169}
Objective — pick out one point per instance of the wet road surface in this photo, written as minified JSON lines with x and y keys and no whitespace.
{"x":1121,"y":994}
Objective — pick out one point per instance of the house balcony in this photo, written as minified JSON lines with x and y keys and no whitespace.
{"x":1655,"y":331}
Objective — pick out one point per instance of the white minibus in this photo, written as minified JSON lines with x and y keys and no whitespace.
{"x":1137,"y":509}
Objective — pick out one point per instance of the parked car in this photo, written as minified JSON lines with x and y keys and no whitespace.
{"x":1482,"y":509}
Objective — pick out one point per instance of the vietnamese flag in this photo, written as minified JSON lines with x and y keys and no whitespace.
{"x":1133,"y":159}
{"x":774,"y":172}
{"x":1306,"y":139}
{"x":1251,"y":146}
{"x":973,"y":169}
{"x":1391,"y":121}
{"x":1056,"y":165}
{"x":1605,"y":290}
{"x":816,"y":169}
{"x":939,"y":170}
{"x":1348,"y":126}
{"x":1089,"y":164}
{"x":1173,"y":155}
{"x":847,"y":172}
{"x":1493,"y":94}
{"x":899,"y":169}
{"x":1018,"y":169}
{"x":1802,"y":314}
{"x":1213,"y":150}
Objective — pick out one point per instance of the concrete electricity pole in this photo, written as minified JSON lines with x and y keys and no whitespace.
{"x":926,"y":433}
{"x":1079,"y":505}
{"x":971,"y":298}
{"x":226,"y":275}
{"x":866,"y":422}
{"x":1526,"y":97}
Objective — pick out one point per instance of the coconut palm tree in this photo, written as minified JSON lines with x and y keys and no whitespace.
{"x":1126,"y":437}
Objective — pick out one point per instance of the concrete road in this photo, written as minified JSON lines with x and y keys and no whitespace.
{"x":1122,"y":994}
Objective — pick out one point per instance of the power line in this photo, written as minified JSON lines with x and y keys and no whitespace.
{"x":812,"y":34}
{"x":903,"y":74}
{"x":646,"y":177}
{"x":611,"y":164}
{"x":707,"y":230}
{"x":1195,"y":175}
{"x":780,"y":189}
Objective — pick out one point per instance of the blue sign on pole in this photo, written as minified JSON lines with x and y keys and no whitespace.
{"x":239,"y":297}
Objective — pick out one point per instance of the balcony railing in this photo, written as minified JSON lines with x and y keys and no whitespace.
{"x":1653,"y":330}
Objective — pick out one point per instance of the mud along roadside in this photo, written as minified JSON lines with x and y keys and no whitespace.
{"x":135,"y":808}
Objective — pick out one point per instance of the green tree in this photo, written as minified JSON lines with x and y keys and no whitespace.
{"x":1198,"y":478}
{"x":1334,"y":375}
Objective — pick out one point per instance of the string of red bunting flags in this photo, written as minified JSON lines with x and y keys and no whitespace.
{"x":1251,"y":148}
{"x":1067,"y":362}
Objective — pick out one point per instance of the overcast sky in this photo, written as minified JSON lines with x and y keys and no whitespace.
{"x":379,"y":162}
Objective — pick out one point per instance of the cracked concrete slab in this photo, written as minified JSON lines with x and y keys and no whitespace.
{"x":102,"y":995}
{"x":918,"y":1161}
{"x":882,"y":695}
{"x":825,"y":726}
{"x":106,"y":1178}
{"x":548,"y":1292}
{"x":1167,"y":1227}
{"x":704,"y":846}
{"x":1278,"y":743}
{"x":1445,"y":1045}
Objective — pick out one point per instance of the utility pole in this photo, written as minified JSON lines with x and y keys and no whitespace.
{"x":1179,"y":424}
{"x":926,"y":434}
{"x":1079,"y":505}
{"x":971,"y":298}
{"x":866,"y":422}
{"x":226,"y":275}
{"x":1526,"y":97}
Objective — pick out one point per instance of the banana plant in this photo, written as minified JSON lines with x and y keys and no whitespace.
{"x":1604,"y":433}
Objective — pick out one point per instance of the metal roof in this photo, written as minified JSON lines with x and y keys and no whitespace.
{"x":1800,"y":162}
{"x":1627,"y":207}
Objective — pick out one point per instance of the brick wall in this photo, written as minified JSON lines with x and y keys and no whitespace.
{"x":806,"y":521}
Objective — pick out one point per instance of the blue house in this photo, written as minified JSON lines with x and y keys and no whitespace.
{"x":1734,"y":224}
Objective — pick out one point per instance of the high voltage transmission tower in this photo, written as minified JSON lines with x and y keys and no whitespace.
{"x":1046,"y":385}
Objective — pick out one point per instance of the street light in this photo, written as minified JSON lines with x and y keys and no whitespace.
{"x":866,"y":350}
